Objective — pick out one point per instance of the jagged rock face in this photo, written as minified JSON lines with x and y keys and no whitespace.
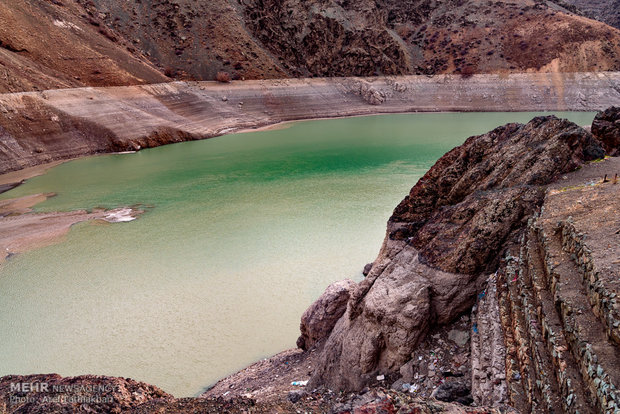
{"x":444,"y":239}
{"x":494,"y":178}
{"x":319,"y":319}
{"x":606,"y":127}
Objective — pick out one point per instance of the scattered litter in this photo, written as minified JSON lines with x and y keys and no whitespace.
{"x":380,"y":377}
{"x":300,"y":383}
{"x":413,"y":388}
{"x":406,"y":386}
{"x":475,"y":328}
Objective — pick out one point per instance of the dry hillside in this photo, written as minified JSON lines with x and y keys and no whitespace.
{"x":68,"y":43}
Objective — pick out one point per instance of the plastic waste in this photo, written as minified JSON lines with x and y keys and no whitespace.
{"x":300,"y":383}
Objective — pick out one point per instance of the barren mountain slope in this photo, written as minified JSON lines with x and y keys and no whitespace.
{"x":331,"y":38}
{"x":67,"y":43}
{"x":48,"y":44}
{"x":342,"y":38}
{"x":187,"y":37}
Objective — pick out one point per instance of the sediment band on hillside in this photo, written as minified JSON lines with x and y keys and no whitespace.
{"x":39,"y":127}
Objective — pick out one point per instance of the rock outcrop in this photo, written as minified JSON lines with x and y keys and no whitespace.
{"x":319,"y":319}
{"x":443,"y":241}
{"x":606,"y":127}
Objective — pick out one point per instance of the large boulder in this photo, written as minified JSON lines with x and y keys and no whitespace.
{"x":319,"y":319}
{"x":442,"y":241}
{"x":606,"y":127}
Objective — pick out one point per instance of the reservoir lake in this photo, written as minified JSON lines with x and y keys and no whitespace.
{"x":240,"y":234}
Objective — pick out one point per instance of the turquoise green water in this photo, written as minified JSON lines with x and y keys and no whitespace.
{"x":241,"y":234}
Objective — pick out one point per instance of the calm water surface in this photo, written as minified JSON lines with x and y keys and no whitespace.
{"x":241,"y":234}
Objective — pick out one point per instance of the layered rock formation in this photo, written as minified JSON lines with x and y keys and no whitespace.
{"x":559,"y":312}
{"x":41,"y":127}
{"x":487,"y":229}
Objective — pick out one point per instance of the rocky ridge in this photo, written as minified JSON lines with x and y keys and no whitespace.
{"x":606,"y":126}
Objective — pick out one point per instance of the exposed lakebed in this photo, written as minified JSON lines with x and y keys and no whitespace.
{"x":240,"y":233}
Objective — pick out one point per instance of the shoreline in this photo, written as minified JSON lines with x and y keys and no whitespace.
{"x":19,"y":177}
{"x":56,"y":125}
